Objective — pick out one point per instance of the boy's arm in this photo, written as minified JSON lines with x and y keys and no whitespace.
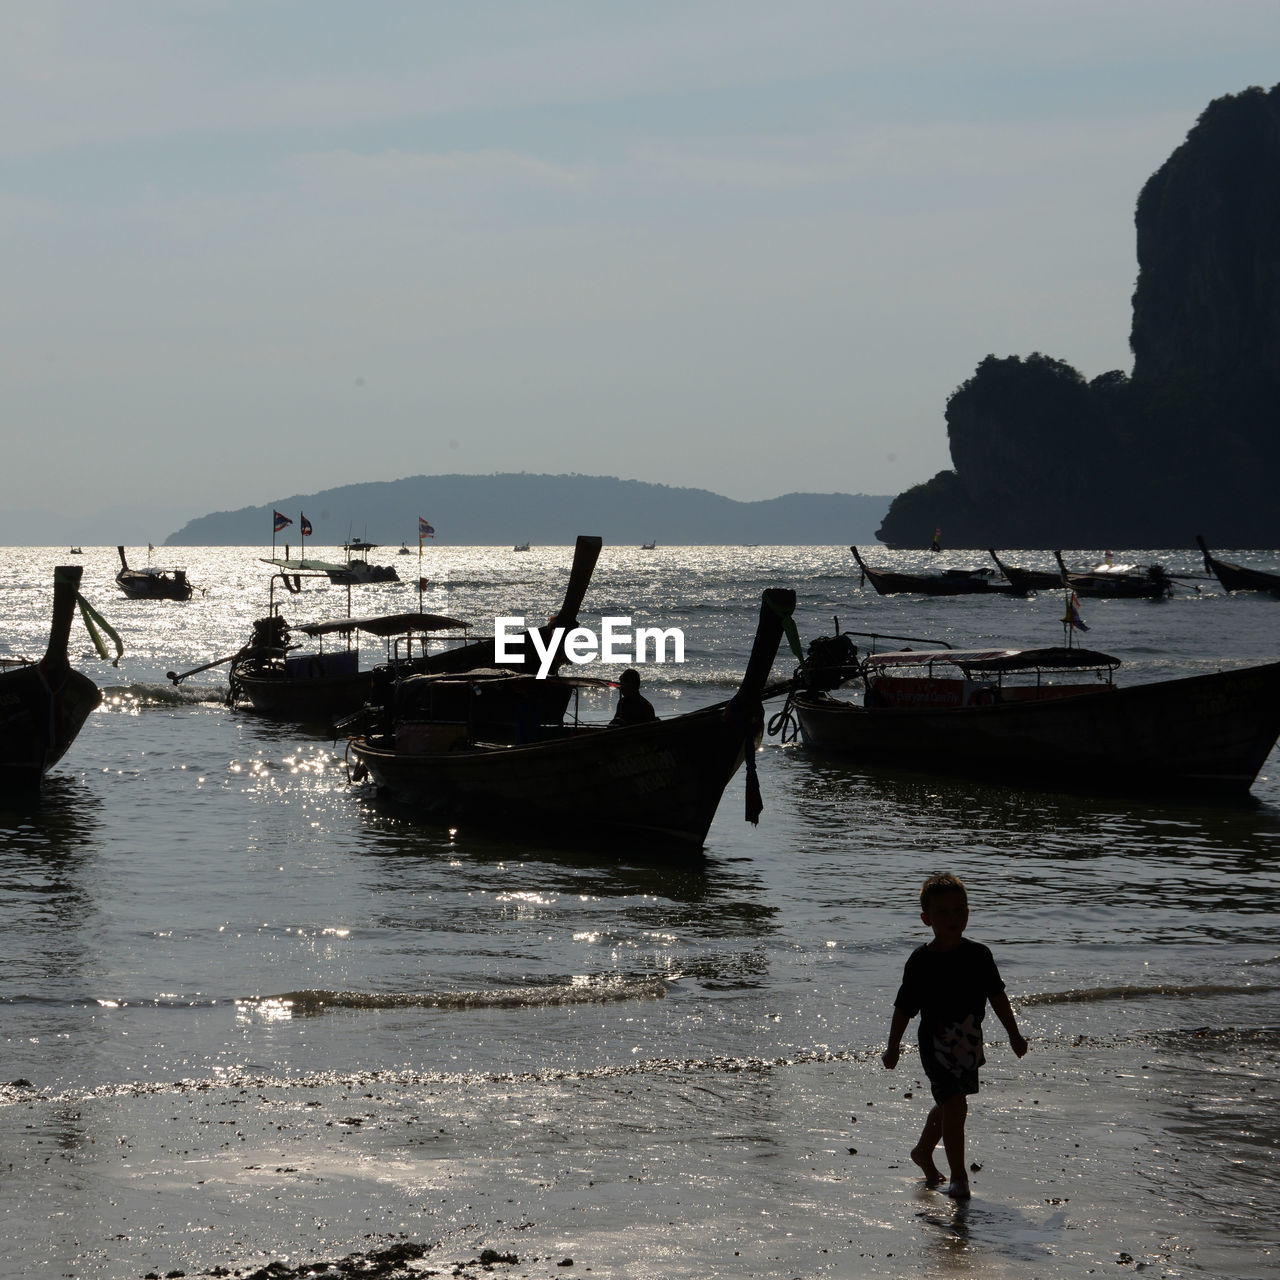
{"x":896,"y":1029}
{"x":1003,"y":1010}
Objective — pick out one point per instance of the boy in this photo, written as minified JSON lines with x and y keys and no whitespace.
{"x":948,"y":982}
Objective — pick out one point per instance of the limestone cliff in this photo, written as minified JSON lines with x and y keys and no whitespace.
{"x":1191,"y":442}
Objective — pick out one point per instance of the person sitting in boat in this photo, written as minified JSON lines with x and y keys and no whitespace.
{"x":633,"y":706}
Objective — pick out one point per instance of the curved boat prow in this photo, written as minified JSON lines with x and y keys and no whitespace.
{"x":586,"y":552}
{"x":66,"y":585}
{"x":776,"y":606}
{"x":1208,"y":559}
{"x":46,"y":702}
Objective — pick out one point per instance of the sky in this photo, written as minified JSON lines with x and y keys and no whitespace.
{"x":258,"y":249}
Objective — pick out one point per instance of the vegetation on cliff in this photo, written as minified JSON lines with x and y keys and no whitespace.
{"x":1191,"y":441}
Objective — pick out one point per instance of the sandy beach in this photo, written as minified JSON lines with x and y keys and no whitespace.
{"x":1086,"y":1156}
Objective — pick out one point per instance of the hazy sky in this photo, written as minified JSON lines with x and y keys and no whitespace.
{"x":256,"y":249}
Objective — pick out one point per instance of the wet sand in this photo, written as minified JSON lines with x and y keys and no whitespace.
{"x":1152,"y":1153}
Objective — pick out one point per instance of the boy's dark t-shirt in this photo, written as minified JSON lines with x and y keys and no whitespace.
{"x":949,"y":990}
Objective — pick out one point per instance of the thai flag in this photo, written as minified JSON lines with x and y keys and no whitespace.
{"x":281,"y":522}
{"x":424,"y":530}
{"x":305,"y":526}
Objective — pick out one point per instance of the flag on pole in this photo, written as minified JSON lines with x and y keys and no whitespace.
{"x":305,"y":526}
{"x":424,"y":530}
{"x":422,"y":584}
{"x":281,"y":521}
{"x":1073,"y":618}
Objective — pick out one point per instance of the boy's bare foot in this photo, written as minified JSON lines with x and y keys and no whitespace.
{"x":924,"y":1158}
{"x":959,"y":1189}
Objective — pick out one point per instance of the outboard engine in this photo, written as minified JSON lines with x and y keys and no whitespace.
{"x":831,"y":659}
{"x":270,"y":634}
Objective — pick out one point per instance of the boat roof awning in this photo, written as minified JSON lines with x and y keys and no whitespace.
{"x":307,"y":566}
{"x":390,"y":624}
{"x":996,"y":660}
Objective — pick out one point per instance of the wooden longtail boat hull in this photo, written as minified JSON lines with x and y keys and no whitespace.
{"x":1025,"y":581}
{"x":1210,"y":732}
{"x":661,"y":781}
{"x":314,"y":700}
{"x":888,"y":583}
{"x":43,"y":705}
{"x":1237,"y":577}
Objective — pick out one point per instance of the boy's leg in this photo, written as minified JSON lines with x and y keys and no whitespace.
{"x":922,"y":1152}
{"x":954,"y":1111}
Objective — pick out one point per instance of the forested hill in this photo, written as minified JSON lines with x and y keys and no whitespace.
{"x":1190,"y":442}
{"x":547,"y":510}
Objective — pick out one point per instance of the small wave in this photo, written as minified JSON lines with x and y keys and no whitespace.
{"x":607,"y":991}
{"x":22,"y":1091}
{"x":1174,"y":990}
{"x":130,"y":696}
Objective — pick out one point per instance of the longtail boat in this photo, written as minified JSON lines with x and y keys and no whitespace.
{"x":947,"y":582}
{"x":355,"y":570}
{"x":1051,"y":717}
{"x":1108,"y":581}
{"x":272,"y":677}
{"x":661,"y":781}
{"x":152,"y":583}
{"x":1025,"y":581}
{"x":43,"y":704}
{"x":1238,"y":577}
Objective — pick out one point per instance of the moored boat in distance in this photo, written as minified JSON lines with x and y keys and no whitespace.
{"x":1026,"y":581}
{"x":1050,"y":717}
{"x":358,"y":570}
{"x":1107,"y":581}
{"x":521,"y":546}
{"x":152,"y":583}
{"x":660,"y":782}
{"x":43,"y":704}
{"x":944,"y":582}
{"x":1238,"y":577}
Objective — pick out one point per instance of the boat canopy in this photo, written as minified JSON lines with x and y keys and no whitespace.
{"x":390,"y":624}
{"x":996,"y":660}
{"x":307,"y":566}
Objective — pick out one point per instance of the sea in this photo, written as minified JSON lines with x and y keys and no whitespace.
{"x":255,"y":1022}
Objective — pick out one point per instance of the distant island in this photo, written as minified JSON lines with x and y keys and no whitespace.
{"x":549,"y":510}
{"x":1190,"y":443}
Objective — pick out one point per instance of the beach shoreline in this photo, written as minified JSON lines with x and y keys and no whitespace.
{"x":1080,"y":1166}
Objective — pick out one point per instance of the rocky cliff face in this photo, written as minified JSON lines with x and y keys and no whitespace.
{"x":1207,"y":303}
{"x":1192,"y":442}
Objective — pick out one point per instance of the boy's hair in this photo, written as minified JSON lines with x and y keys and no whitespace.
{"x":936,"y":886}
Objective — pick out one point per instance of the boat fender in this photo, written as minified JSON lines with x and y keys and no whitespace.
{"x":984,"y":697}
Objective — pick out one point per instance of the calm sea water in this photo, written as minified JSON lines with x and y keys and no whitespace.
{"x":214,"y":944}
